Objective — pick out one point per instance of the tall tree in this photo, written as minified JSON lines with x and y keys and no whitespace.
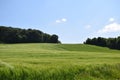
{"x":17,"y":35}
{"x":54,"y":39}
{"x":113,"y":43}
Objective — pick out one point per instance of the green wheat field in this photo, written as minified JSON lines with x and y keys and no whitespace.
{"x":41,"y":61}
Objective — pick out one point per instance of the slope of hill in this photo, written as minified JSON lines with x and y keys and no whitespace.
{"x":58,"y":62}
{"x":86,"y":48}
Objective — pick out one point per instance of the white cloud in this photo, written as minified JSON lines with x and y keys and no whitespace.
{"x":111,"y":20}
{"x":88,"y":26}
{"x":112,"y":27}
{"x":58,"y":21}
{"x":61,"y":20}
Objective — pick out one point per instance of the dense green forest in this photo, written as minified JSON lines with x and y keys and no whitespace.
{"x":112,"y":43}
{"x":17,"y":35}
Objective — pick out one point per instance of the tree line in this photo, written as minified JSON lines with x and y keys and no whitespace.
{"x":18,"y":35}
{"x":112,"y":43}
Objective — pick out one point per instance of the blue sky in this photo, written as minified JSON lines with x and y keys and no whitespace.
{"x":72,"y":20}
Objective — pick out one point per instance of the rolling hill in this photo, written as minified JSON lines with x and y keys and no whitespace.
{"x":58,"y":62}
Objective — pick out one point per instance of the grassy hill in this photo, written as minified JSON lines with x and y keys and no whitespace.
{"x":58,"y":62}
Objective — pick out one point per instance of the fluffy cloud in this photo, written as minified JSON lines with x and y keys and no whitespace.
{"x":111,"y":19}
{"x":61,"y":20}
{"x":58,"y":21}
{"x":112,"y":27}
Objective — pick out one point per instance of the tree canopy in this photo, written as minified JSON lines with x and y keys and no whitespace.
{"x":18,"y":35}
{"x":112,"y":43}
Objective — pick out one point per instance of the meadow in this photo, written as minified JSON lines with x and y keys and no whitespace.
{"x":40,"y":61}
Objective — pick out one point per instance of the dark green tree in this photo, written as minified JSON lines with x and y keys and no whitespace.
{"x":54,"y":39}
{"x":112,"y":43}
{"x":17,"y":35}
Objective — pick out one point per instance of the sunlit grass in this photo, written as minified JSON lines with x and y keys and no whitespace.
{"x":58,"y":62}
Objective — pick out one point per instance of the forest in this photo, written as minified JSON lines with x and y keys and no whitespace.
{"x":18,"y":35}
{"x":112,"y":43}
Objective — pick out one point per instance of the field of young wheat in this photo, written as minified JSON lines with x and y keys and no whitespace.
{"x":58,"y":62}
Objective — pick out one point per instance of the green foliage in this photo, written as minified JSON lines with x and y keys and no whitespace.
{"x":58,"y":62}
{"x":91,"y":72}
{"x":17,"y":35}
{"x":54,"y":39}
{"x":112,"y":43}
